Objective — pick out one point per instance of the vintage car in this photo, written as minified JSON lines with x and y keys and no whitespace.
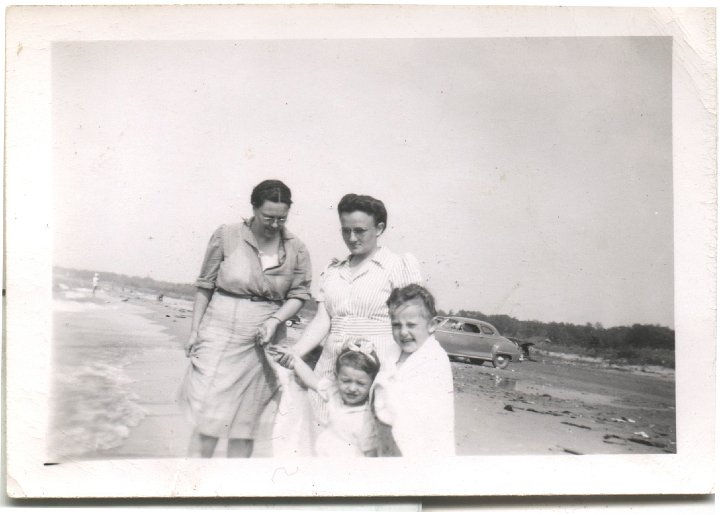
{"x":475,"y":340}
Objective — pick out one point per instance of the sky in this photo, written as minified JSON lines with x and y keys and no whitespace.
{"x":529,"y":176}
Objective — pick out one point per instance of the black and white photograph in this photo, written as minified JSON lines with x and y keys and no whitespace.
{"x":331,"y":255}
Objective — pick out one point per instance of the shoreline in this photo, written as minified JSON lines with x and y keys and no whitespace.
{"x":548,"y":405}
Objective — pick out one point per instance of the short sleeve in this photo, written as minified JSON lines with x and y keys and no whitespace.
{"x":406,"y":271}
{"x":214,"y":256}
{"x":302,"y":276}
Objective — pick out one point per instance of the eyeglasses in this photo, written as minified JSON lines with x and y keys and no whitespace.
{"x":270,"y":219}
{"x":359,"y":232}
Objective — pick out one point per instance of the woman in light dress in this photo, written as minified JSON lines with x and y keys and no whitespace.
{"x":353,"y":294}
{"x":255,"y":276}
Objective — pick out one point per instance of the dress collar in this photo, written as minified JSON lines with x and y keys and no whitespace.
{"x":425,"y":350}
{"x":250,"y":237}
{"x":380,"y":257}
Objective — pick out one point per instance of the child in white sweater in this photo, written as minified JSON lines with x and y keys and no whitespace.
{"x":413,"y":400}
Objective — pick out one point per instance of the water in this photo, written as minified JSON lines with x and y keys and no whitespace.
{"x":93,"y":404}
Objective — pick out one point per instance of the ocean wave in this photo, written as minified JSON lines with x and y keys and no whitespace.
{"x":93,"y":404}
{"x":93,"y":409}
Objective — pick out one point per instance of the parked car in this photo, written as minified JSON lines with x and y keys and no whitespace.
{"x":476,"y":340}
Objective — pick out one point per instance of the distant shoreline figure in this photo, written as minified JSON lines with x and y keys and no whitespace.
{"x":95,"y":282}
{"x":413,"y":400}
{"x":255,"y":276}
{"x":351,"y":302}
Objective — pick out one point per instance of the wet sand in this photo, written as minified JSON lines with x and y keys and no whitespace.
{"x":552,"y":405}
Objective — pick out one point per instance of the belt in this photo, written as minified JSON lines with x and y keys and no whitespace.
{"x":252,"y":298}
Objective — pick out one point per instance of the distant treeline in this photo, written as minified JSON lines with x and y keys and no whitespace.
{"x":651,"y":344}
{"x":120,"y":281}
{"x":639,"y":343}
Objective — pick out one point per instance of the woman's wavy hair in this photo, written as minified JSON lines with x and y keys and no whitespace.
{"x":365,"y":203}
{"x":270,"y":190}
{"x":412,"y":293}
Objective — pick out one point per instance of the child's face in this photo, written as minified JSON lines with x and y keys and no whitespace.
{"x":411,"y":326}
{"x":354,"y":385}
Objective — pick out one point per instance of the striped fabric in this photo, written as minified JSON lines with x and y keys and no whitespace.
{"x":355,"y":301}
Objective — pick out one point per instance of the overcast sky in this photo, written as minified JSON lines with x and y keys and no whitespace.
{"x":530,"y":177}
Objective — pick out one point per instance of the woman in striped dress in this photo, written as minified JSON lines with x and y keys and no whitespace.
{"x":353,"y":293}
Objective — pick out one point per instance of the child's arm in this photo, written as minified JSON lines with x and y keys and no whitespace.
{"x":306,"y":374}
{"x":302,"y":371}
{"x":308,"y":378}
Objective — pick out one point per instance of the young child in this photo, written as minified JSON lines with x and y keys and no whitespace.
{"x":413,"y":401}
{"x":350,"y":430}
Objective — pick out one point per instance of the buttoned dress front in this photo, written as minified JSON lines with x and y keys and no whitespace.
{"x":230,"y":380}
{"x":356,"y":303}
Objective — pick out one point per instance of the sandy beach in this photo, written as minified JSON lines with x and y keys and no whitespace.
{"x":118,"y":361}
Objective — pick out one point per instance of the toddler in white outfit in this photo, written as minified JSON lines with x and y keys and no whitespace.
{"x":350,"y":429}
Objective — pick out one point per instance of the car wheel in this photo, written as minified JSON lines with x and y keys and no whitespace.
{"x":477,"y":361}
{"x":289,"y":323}
{"x":500,"y":361}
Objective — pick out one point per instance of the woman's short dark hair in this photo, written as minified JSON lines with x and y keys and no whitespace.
{"x":365,"y":203}
{"x":270,"y":190}
{"x":410,"y":293}
{"x":359,"y":361}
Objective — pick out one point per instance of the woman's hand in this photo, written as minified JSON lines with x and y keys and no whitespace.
{"x":266,"y":331}
{"x":192,"y":341}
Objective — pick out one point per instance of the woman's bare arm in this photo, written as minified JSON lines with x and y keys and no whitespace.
{"x":202,"y":299}
{"x":314,"y":334}
{"x":288,"y":310}
{"x":266,"y":331}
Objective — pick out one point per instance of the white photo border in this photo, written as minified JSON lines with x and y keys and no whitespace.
{"x":28,"y":160}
